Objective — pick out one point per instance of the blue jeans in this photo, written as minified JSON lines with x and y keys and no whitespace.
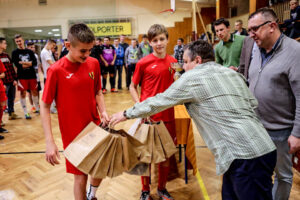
{"x":249,"y":179}
{"x":11,"y":94}
{"x":283,"y":170}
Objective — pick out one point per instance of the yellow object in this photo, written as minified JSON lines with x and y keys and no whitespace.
{"x":105,"y":29}
{"x":202,"y":186}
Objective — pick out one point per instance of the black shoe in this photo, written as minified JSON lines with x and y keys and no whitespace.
{"x":145,"y":195}
{"x":3,"y":130}
{"x":1,"y":137}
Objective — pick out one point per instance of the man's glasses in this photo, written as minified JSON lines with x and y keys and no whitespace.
{"x":255,"y":28}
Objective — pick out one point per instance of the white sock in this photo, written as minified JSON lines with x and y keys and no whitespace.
{"x":23,"y":104}
{"x":35,"y":100}
{"x":91,"y":192}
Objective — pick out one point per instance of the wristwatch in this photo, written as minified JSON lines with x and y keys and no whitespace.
{"x":125,"y":115}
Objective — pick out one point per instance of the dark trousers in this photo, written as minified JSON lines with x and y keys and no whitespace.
{"x":250,"y":179}
{"x":11,"y":94}
{"x":119,"y":70}
{"x":129,"y":74}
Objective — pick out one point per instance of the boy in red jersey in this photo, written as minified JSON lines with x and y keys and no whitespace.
{"x":2,"y":98}
{"x":75,"y":85}
{"x":155,"y":74}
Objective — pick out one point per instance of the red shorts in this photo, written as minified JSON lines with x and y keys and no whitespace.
{"x":72,"y":170}
{"x":2,"y":96}
{"x":27,"y":84}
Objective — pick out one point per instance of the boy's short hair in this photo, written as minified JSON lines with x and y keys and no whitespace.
{"x":222,"y":21}
{"x":267,"y":13}
{"x":30,"y":43}
{"x":107,"y":37}
{"x":18,"y":36}
{"x":99,"y":39}
{"x":51,"y":40}
{"x":181,"y":39}
{"x":155,"y":30}
{"x":239,"y":21}
{"x":80,"y":33}
{"x":200,"y":48}
{"x":134,"y":39}
{"x":145,"y":36}
{"x":2,"y":39}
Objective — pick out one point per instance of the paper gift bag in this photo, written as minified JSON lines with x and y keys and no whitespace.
{"x":157,"y":149}
{"x":86,"y":148}
{"x":166,"y":139}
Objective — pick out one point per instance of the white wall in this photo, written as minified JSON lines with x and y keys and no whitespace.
{"x":144,"y":13}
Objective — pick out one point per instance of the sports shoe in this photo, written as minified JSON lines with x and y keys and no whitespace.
{"x":145,"y":195}
{"x":164,"y":195}
{"x":52,"y":110}
{"x":114,"y":90}
{"x":93,"y":198}
{"x":3,"y":130}
{"x":27,"y":116}
{"x":13,"y":116}
{"x":1,"y":137}
{"x":37,"y":112}
{"x":104,"y":91}
{"x":33,"y":109}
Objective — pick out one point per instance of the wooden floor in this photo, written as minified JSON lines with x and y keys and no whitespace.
{"x":28,"y":176}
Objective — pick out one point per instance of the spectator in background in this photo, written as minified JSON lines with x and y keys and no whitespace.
{"x":293,"y":24}
{"x":131,"y":58}
{"x":119,"y":61}
{"x":10,"y":81}
{"x":64,"y":50}
{"x":144,"y":48}
{"x":31,"y":46}
{"x":3,"y":98}
{"x":239,"y":30}
{"x":228,"y":50}
{"x":55,"y":53}
{"x":97,"y":50}
{"x":125,"y":46}
{"x":108,"y":57}
{"x":178,"y":51}
{"x":274,"y":79}
{"x":24,"y":60}
{"x":48,"y":60}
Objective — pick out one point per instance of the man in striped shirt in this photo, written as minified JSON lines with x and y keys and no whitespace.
{"x":222,"y":107}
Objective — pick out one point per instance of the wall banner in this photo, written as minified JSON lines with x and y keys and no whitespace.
{"x":111,"y":29}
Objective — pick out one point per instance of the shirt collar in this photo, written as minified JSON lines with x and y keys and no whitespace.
{"x":263,"y":51}
{"x":231,"y":39}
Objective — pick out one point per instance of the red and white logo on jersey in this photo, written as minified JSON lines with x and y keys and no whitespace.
{"x":92,"y":76}
{"x":69,"y":76}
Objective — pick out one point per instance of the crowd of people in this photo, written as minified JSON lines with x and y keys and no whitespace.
{"x":243,"y":95}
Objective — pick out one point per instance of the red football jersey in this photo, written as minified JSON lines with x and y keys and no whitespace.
{"x":155,"y":75}
{"x":2,"y":70}
{"x":73,"y":86}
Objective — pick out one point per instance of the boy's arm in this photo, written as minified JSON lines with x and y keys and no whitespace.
{"x":2,"y":75}
{"x":134,"y":92}
{"x":115,"y":56}
{"x":101,"y":108}
{"x":52,"y":152}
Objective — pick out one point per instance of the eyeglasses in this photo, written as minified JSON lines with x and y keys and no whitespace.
{"x":255,"y":28}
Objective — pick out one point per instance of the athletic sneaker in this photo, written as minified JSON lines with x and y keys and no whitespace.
{"x":37,"y":112}
{"x":13,"y":116}
{"x":164,"y":195}
{"x":1,"y":137}
{"x":3,"y":130}
{"x":33,"y":109}
{"x":93,"y":198}
{"x":104,"y":91}
{"x":27,"y":116}
{"x":145,"y":195}
{"x":113,"y":90}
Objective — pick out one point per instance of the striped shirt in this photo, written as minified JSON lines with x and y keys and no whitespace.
{"x":220,"y":103}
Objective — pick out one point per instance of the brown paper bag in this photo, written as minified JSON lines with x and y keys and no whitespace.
{"x":118,"y":167}
{"x":113,"y":167}
{"x":100,"y":169}
{"x":84,"y":150}
{"x":158,"y":151}
{"x":166,"y":139}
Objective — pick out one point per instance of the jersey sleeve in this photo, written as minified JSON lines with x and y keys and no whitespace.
{"x":138,"y":74}
{"x":49,"y":93}
{"x":2,"y":67}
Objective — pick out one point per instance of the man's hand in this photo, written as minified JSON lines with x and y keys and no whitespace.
{"x":233,"y":68}
{"x":104,"y":119}
{"x":294,"y":144}
{"x":52,"y":153}
{"x":15,"y":83}
{"x":117,"y":118}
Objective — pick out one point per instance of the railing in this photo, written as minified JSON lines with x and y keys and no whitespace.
{"x":282,"y":10}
